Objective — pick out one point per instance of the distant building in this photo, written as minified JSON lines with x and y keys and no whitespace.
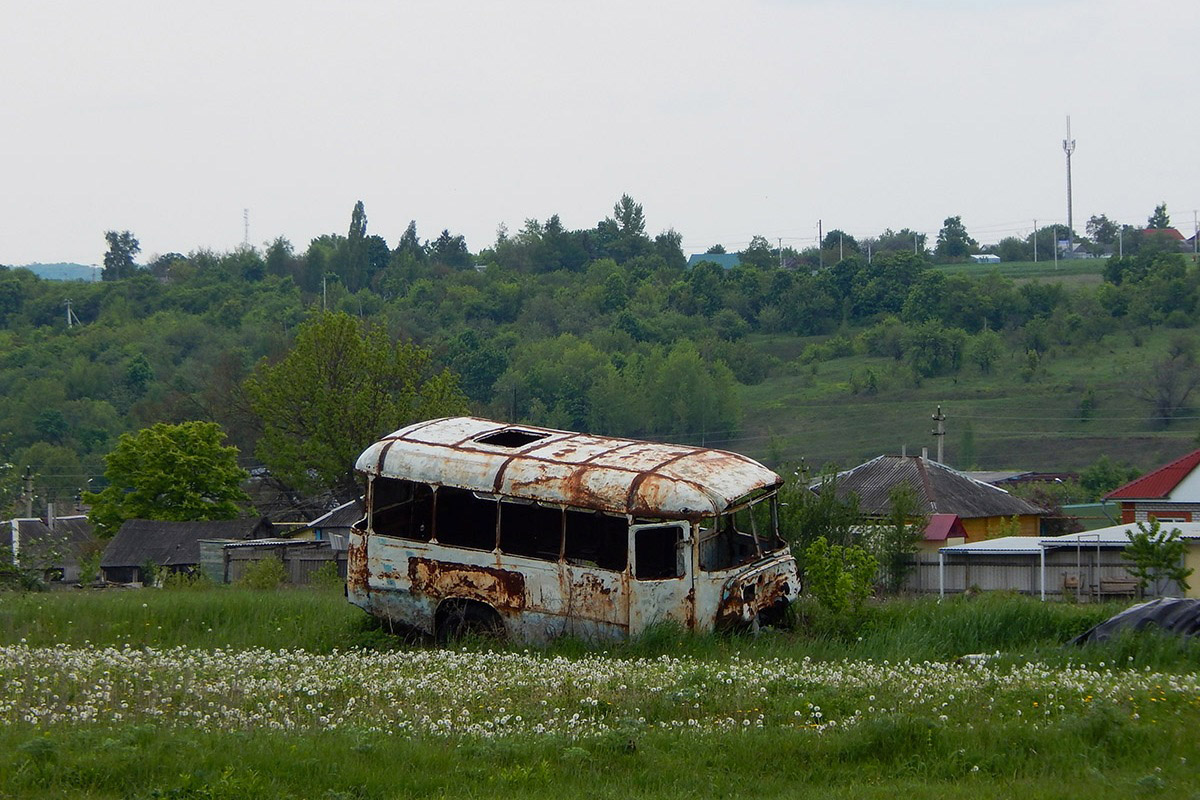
{"x":172,"y":546}
{"x":53,"y":547}
{"x":985,"y":258}
{"x":722,"y":260}
{"x":1170,"y":493}
{"x":981,"y":509}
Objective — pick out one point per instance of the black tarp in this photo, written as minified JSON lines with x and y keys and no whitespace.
{"x":1168,"y":614}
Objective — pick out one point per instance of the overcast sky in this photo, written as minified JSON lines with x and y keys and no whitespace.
{"x":724,"y":119}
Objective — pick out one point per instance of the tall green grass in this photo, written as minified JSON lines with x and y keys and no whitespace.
{"x":226,"y":617}
{"x":920,"y":629}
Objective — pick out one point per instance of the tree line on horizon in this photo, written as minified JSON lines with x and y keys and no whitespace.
{"x":602,"y":329}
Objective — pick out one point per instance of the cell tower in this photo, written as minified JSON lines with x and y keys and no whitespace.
{"x":1069,"y":148}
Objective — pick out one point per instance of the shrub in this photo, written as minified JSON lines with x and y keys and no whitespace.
{"x":266,"y":573}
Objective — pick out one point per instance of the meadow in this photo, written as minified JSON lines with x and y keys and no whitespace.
{"x":230,"y":693}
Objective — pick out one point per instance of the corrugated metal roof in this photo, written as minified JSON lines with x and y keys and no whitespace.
{"x":1111,"y":537}
{"x":939,"y":489}
{"x":1160,"y":482}
{"x":622,"y":476}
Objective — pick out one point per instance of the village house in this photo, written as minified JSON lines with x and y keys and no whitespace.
{"x":980,"y":509}
{"x":54,"y":547}
{"x":1170,"y":493}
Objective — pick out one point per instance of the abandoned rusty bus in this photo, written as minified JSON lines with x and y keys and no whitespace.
{"x":532,"y":533}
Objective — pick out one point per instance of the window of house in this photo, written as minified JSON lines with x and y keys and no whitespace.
{"x":597,"y":540}
{"x":531,"y":530}
{"x":465,"y":519}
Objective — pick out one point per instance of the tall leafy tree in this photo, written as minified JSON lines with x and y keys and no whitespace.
{"x":1157,"y":556}
{"x":953,"y":241}
{"x":181,"y":472}
{"x":340,"y":387}
{"x":1160,"y":218}
{"x":118,"y":261}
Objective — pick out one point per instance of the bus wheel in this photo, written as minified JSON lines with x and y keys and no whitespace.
{"x":466,"y":619}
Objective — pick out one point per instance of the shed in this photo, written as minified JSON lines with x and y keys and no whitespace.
{"x":985,"y":258}
{"x":170,"y":545}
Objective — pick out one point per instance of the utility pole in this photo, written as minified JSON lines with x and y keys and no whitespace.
{"x":940,"y":433}
{"x":1069,"y":148}
{"x":1120,"y":242}
{"x":27,"y":491}
{"x":1195,"y":236}
{"x":868,"y":252}
{"x":820,"y":252}
{"x":840,"y":256}
{"x":1056,"y":247}
{"x":780,"y":240}
{"x":1035,"y":241}
{"x":914,"y":244}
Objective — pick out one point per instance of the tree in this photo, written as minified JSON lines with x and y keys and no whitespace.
{"x":340,"y":387}
{"x":118,"y":261}
{"x":953,"y":241}
{"x":984,"y":349}
{"x":1167,"y":385}
{"x":1159,"y":219}
{"x":840,"y":577}
{"x":895,"y":540}
{"x":1104,"y":475}
{"x":181,"y":473}
{"x":806,"y":514}
{"x":1157,"y":556}
{"x":1102,"y":230}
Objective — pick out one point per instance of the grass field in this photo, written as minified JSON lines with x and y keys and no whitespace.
{"x":811,"y":411}
{"x":226,"y":693}
{"x":1073,"y":273}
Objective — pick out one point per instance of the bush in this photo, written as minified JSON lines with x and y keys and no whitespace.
{"x":326,"y":577}
{"x":266,"y":573}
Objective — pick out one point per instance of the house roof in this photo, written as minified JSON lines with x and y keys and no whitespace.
{"x":620,"y":476}
{"x":944,"y":526}
{"x":58,"y":546}
{"x":343,"y":516}
{"x":140,"y":541}
{"x":939,"y":489}
{"x":1172,"y":233}
{"x":723,"y":260}
{"x":1159,"y":483}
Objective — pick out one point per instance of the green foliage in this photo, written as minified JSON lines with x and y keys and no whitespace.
{"x":118,"y":261}
{"x":326,"y":577}
{"x":894,"y":541}
{"x":1104,"y":475}
{"x":932,"y":349}
{"x":340,"y":387}
{"x":264,"y":574}
{"x":953,"y":241}
{"x":170,"y":472}
{"x":1157,"y":556}
{"x":839,"y":577}
{"x":984,"y":349}
{"x":806,"y":514}
{"x":1160,"y":218}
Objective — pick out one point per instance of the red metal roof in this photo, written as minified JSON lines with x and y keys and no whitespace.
{"x":944,"y":526}
{"x":1160,"y":482}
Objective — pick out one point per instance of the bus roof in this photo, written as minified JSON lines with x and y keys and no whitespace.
{"x":623,"y":476}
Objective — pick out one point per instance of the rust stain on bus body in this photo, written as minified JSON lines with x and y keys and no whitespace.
{"x":745,"y":598}
{"x":500,"y":588}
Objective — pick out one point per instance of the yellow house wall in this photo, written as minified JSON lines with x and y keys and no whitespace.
{"x":980,"y":528}
{"x":1192,"y":559}
{"x":930,"y":548}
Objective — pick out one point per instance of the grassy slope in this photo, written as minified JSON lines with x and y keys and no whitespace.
{"x":811,"y":413}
